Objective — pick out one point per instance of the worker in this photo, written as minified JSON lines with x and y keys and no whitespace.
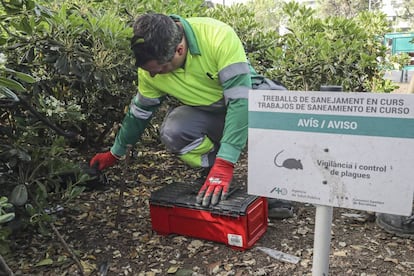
{"x":200,"y":62}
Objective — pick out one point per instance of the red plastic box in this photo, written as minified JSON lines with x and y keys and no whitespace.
{"x":239,"y":221}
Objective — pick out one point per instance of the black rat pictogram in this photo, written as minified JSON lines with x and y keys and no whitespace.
{"x":289,"y":163}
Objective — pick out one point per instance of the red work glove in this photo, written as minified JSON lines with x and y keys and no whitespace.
{"x":103,"y":160}
{"x":217,"y":183}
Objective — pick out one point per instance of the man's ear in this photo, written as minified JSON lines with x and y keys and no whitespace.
{"x":180,"y":49}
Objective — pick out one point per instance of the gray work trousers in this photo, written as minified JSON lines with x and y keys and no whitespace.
{"x":186,"y":124}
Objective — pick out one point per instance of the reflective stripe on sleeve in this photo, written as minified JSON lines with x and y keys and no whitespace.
{"x":144,"y":101}
{"x":238,"y":92}
{"x":136,"y":106}
{"x":138,"y":112}
{"x":233,"y":70}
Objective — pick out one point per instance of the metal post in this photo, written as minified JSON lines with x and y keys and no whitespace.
{"x":323,"y":224}
{"x":322,"y":240}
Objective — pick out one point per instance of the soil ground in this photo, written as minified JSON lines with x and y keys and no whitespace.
{"x":87,"y":225}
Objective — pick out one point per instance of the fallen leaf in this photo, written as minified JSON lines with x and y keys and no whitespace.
{"x":357,"y":247}
{"x":228,"y":267}
{"x":116,"y":254}
{"x":87,"y":266}
{"x":214,"y":268}
{"x":342,"y":244}
{"x":303,"y":231}
{"x":172,"y":269}
{"x":395,"y":261}
{"x":184,"y":272}
{"x":45,"y":262}
{"x":81,"y":217}
{"x":340,"y":253}
{"x":304,"y":263}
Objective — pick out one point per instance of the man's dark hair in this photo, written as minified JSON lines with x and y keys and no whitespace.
{"x":156,"y":37}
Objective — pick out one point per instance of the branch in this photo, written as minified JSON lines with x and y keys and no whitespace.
{"x":122,"y":188}
{"x":65,"y":245}
{"x":62,"y":240}
{"x":58,"y":130}
{"x":5,"y":266}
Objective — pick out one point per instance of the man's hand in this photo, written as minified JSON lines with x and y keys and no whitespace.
{"x":103,"y":160}
{"x":217,"y":183}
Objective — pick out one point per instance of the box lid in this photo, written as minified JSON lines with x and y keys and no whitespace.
{"x":184,"y":195}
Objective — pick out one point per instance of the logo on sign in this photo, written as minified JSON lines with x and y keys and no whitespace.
{"x":279,"y":191}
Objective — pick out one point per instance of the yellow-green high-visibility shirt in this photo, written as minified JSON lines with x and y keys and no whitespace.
{"x":213,"y":46}
{"x":216,"y":73}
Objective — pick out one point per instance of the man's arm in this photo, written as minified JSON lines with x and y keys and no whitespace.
{"x":139,"y":113}
{"x":235,"y":77}
{"x":135,"y":121}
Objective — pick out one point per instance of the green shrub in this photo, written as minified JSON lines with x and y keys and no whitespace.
{"x":334,"y":51}
{"x":71,"y":63}
{"x":6,"y":215}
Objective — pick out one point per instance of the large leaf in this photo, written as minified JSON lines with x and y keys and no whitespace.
{"x":19,"y":195}
{"x":12,"y":84}
{"x":6,"y":217}
{"x":22,"y":76}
